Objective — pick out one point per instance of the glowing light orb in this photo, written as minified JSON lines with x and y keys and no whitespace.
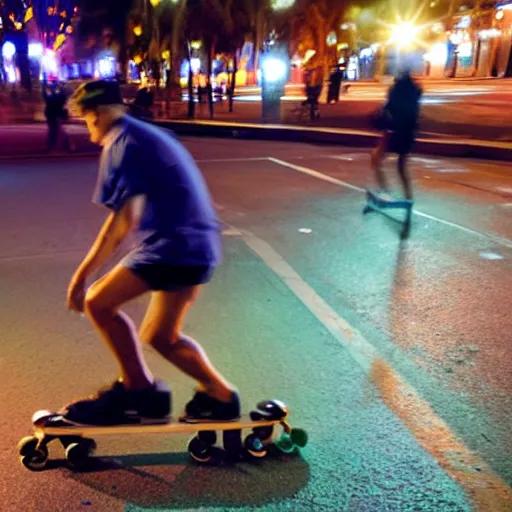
{"x":274,"y":70}
{"x":279,"y":5}
{"x":8,"y":50}
{"x":404,"y":34}
{"x":35,"y":50}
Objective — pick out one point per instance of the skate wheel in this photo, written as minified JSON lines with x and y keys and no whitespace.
{"x":285,"y":444}
{"x":199,"y":450}
{"x":208,"y":437}
{"x":232,"y":443}
{"x":264,"y":433}
{"x":32,"y":456}
{"x":299,"y":437}
{"x":255,"y":446}
{"x":77,"y":454}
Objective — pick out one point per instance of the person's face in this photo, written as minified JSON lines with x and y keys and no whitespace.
{"x":97,"y":125}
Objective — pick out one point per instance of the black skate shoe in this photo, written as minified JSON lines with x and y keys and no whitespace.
{"x":116,"y":405}
{"x":203,"y":409}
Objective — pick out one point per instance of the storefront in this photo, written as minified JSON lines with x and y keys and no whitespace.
{"x":502,"y":62}
{"x":368,"y":61}
{"x":460,"y":49}
{"x":436,"y":59}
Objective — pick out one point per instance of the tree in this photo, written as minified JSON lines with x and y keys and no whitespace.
{"x":235,"y":29}
{"x":104,"y":23}
{"x":256,"y":12}
{"x":221,"y":25}
{"x":313,"y":21}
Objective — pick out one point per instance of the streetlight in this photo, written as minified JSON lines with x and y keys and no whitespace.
{"x":155,"y":3}
{"x":274,"y":69}
{"x":404,"y":34}
{"x":281,"y":5}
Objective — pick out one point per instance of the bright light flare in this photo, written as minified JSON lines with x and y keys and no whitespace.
{"x":12,"y":76}
{"x":278,"y":5}
{"x":49,"y":62}
{"x":8,"y":50}
{"x":107,"y":67}
{"x":404,"y":34}
{"x":408,"y":31}
{"x":35,"y":50}
{"x":438,"y":54}
{"x":274,"y":70}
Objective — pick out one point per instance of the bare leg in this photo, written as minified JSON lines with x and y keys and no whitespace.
{"x":404,"y":176}
{"x":161,"y":329}
{"x":377,"y":158}
{"x":102,"y":302}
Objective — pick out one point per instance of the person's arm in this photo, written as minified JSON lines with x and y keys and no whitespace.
{"x":113,"y":232}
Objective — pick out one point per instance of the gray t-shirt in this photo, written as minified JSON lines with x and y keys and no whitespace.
{"x":178,"y":225}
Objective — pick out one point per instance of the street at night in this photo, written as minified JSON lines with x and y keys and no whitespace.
{"x":393,"y":355}
{"x":477,"y":109}
{"x":256,"y":255}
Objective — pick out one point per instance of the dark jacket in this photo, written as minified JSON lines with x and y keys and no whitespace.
{"x":403,"y":111}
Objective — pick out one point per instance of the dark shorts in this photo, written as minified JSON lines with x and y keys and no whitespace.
{"x":401,"y":142}
{"x":170,"y":278}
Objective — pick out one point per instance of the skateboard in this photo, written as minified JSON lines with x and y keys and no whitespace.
{"x":79,"y":443}
{"x":376,"y":203}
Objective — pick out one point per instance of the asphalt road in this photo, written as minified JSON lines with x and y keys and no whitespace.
{"x":477,"y":109}
{"x":441,"y":91}
{"x":394,"y":356}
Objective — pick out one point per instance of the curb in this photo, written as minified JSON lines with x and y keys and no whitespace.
{"x":46,"y":156}
{"x":455,"y":148}
{"x":459,"y":148}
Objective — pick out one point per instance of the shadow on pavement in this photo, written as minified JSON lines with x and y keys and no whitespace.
{"x":172,"y":481}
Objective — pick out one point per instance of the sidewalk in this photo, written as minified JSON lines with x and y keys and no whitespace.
{"x":450,"y":147}
{"x":479,"y":120}
{"x":29,"y":141}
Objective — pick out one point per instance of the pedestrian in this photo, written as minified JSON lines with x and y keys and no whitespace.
{"x":154,"y":189}
{"x":335,"y":80}
{"x":141,"y":108}
{"x":398,"y":121}
{"x":55,"y":113}
{"x":313,"y":88}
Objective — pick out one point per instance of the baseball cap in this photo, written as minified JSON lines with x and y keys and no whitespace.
{"x":93,"y":94}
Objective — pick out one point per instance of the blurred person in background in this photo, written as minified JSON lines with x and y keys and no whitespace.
{"x":56,"y":114}
{"x":398,"y":120}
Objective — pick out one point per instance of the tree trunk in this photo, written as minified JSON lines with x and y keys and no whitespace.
{"x":191,"y":105}
{"x":233,"y":80}
{"x":493,"y":59}
{"x":210,"y":52}
{"x":258,"y":42}
{"x":177,"y":51}
{"x":476,"y":59}
{"x":123,"y":60}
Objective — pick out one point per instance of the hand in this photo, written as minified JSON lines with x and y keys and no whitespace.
{"x":76,"y":293}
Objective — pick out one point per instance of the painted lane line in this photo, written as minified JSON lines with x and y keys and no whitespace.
{"x":227,"y":160}
{"x":487,"y":490}
{"x":315,"y":174}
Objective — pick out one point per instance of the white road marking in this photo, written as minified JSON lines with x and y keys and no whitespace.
{"x":41,"y":255}
{"x":315,"y":174}
{"x":241,"y":159}
{"x":491,"y":256}
{"x":488,"y":491}
{"x":324,"y":177}
{"x":231,"y":232}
